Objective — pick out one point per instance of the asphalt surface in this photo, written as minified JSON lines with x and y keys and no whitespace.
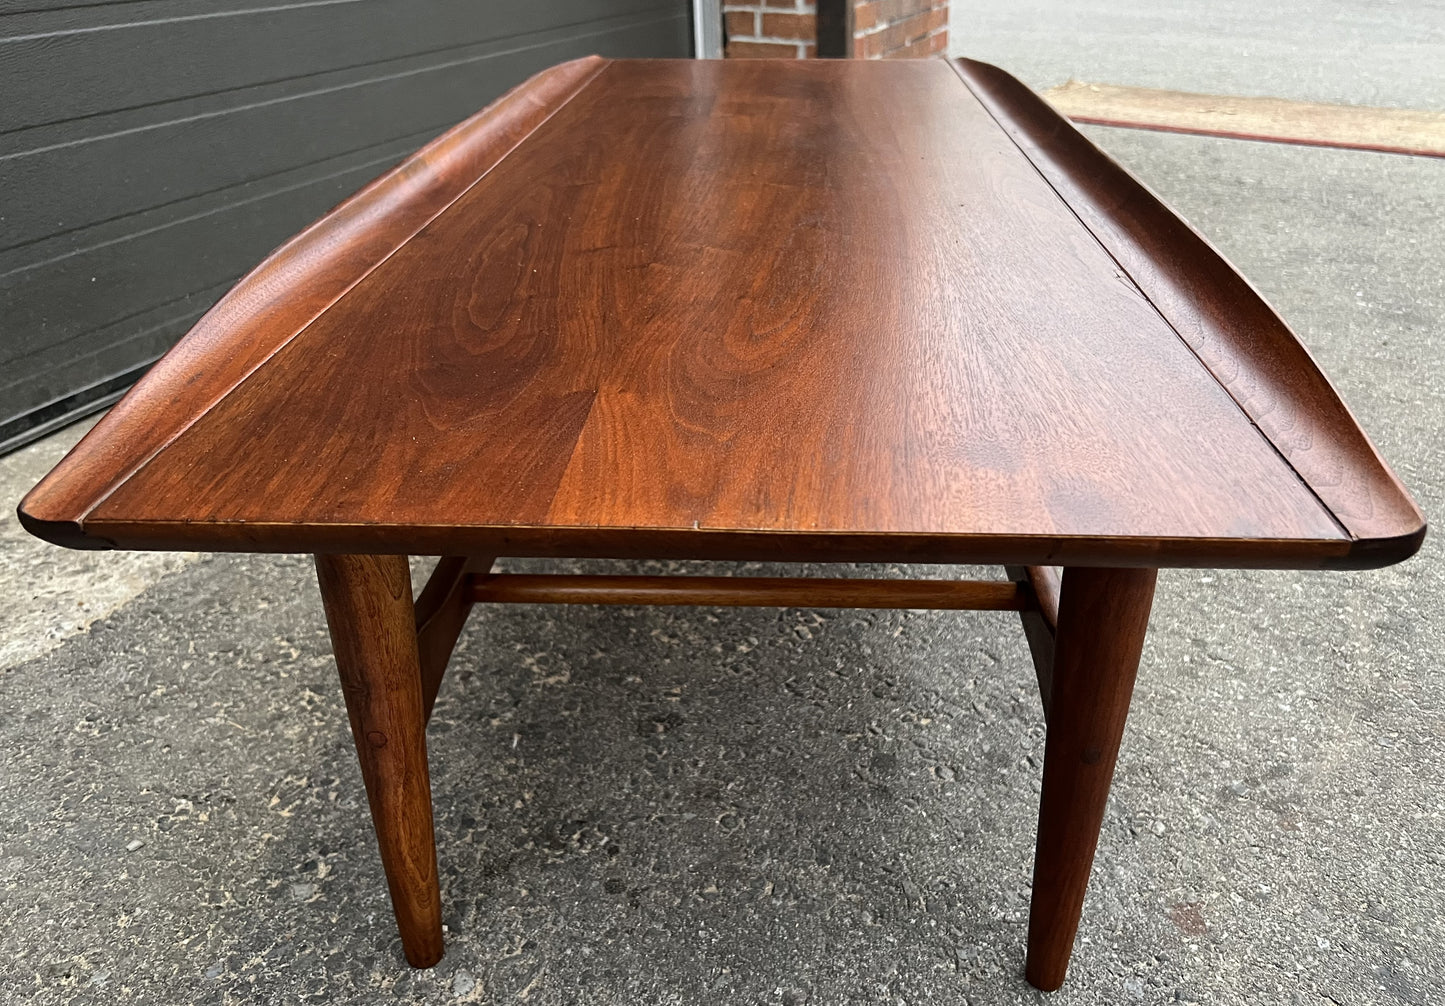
{"x":773,"y":807}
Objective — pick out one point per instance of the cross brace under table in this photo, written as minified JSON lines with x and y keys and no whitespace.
{"x":1085,"y":629}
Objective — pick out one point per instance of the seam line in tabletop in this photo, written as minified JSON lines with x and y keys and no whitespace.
{"x":281,"y":346}
{"x":1124,"y":271}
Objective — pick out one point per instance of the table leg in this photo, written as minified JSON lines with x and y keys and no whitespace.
{"x":1103,"y":614}
{"x":373,"y":634}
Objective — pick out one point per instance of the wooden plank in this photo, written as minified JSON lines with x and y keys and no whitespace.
{"x":134,"y":138}
{"x":662,"y":285}
{"x":663,"y":404}
{"x":1224,"y":322}
{"x":747,"y":591}
{"x":285,"y":293}
{"x":1392,"y":130}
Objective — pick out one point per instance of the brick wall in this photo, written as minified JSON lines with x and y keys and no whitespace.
{"x":881,"y":29}
{"x":890,"y":29}
{"x":776,"y":28}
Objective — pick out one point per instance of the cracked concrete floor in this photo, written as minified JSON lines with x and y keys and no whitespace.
{"x":755,"y":806}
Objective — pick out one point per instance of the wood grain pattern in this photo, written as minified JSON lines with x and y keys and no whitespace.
{"x":279,"y":298}
{"x":1103,"y":616}
{"x":1223,"y":319}
{"x":743,"y":591}
{"x":743,"y":310}
{"x":373,"y":633}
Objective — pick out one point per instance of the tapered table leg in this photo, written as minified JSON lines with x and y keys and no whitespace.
{"x":373,"y":633}
{"x":1103,"y":615}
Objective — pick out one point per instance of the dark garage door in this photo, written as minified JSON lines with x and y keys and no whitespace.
{"x":151,"y":151}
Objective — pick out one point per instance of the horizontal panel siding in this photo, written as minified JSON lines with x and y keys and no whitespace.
{"x":128,"y":209}
{"x":63,"y":301}
{"x":241,"y":137}
{"x":212,"y":51}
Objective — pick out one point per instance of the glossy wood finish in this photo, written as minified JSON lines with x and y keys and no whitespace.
{"x":278,"y":299}
{"x":373,"y":633}
{"x":1103,"y":615}
{"x":812,"y":310}
{"x":744,"y":591}
{"x":1222,"y":318}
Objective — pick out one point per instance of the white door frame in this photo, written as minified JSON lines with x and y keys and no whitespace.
{"x":707,"y":42}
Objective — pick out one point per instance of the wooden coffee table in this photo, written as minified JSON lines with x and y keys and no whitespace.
{"x":770,"y":310}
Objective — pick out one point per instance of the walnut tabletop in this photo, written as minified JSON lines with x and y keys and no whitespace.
{"x":822,"y":309}
{"x":819,"y":310}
